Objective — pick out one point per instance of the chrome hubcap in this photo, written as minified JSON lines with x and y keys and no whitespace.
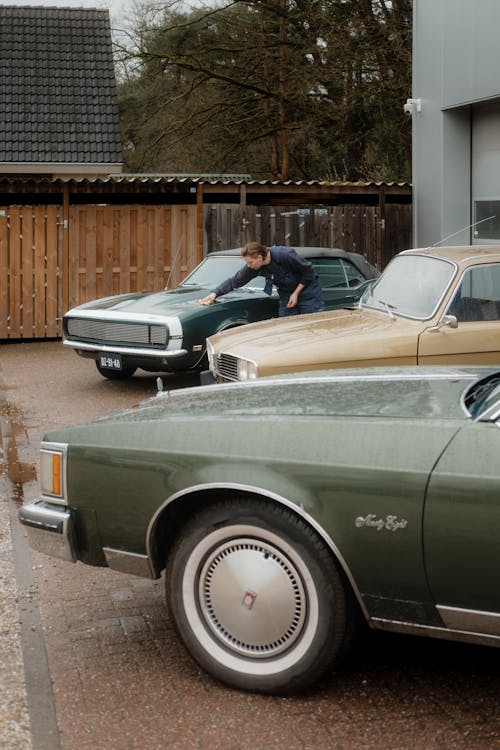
{"x":252,"y":597}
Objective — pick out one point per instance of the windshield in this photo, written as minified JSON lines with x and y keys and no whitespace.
{"x":212,"y":271}
{"x":411,"y":285}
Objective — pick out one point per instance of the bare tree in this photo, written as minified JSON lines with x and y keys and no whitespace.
{"x":309,"y":89}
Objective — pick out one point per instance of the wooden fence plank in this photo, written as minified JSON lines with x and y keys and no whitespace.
{"x":88,"y":255}
{"x":15,"y":296}
{"x":165,"y":269}
{"x":163,"y":252}
{"x":40,"y":271}
{"x":176,"y":241}
{"x":133,"y":221}
{"x":124,"y":249}
{"x":28,"y":250}
{"x":107,"y":258}
{"x":142,"y":251}
{"x":53,"y":288}
{"x":73,"y":260}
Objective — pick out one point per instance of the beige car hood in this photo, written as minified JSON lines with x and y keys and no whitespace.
{"x":341,"y":338}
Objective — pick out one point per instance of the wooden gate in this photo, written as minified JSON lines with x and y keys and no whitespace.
{"x":49,"y":264}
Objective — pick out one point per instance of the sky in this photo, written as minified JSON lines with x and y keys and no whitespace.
{"x":117,"y":8}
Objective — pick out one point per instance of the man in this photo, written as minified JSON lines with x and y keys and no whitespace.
{"x":297,"y":283}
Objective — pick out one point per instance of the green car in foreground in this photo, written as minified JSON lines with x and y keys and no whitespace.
{"x":285,"y":511}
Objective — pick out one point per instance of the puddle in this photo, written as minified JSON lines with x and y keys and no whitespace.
{"x":13,"y":432}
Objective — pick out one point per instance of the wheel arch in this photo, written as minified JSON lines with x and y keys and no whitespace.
{"x":227,"y":324}
{"x":174,"y":512}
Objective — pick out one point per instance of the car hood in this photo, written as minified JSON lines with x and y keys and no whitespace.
{"x":416,"y":393}
{"x":165,"y":303}
{"x":321,"y":340}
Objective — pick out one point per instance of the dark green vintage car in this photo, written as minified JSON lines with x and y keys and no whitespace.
{"x":165,"y":331}
{"x":285,"y":511}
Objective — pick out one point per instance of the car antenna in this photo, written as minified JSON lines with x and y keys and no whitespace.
{"x":474,"y":224}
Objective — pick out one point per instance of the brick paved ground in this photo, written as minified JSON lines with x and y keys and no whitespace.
{"x":122,"y":680}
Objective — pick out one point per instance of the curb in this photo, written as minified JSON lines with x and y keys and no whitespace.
{"x":27,"y":708}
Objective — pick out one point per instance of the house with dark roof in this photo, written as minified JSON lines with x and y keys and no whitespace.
{"x":58,"y":104}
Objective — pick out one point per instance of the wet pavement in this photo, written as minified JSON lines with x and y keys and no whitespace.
{"x":90,"y":659}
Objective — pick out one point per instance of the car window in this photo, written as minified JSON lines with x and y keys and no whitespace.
{"x":212,"y":271}
{"x":411,"y":285}
{"x":478,"y":294}
{"x":354,"y":277}
{"x":330,"y":272}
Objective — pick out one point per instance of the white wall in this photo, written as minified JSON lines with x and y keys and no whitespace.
{"x":456,"y":63}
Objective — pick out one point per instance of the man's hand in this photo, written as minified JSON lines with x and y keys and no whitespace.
{"x":208,"y":300}
{"x":294,"y":298}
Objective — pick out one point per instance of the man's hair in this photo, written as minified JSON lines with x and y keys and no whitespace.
{"x":253,"y":249}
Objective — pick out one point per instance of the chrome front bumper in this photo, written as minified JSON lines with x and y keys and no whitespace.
{"x":127,"y":350}
{"x":50,"y":529}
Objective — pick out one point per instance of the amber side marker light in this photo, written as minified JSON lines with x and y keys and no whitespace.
{"x":56,"y":474}
{"x":52,"y":471}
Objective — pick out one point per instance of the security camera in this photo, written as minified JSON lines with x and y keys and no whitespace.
{"x":412,"y":106}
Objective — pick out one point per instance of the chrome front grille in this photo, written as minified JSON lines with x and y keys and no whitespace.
{"x":147,"y":335}
{"x":226,"y":366}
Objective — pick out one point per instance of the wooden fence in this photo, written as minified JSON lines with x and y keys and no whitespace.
{"x":49,"y":264}
{"x":54,"y":257}
{"x":357,"y":228}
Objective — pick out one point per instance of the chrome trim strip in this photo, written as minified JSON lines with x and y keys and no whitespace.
{"x":431,"y":631}
{"x":262,"y":493}
{"x":470,"y":620}
{"x":151,"y":353}
{"x":128,"y":562}
{"x":430,"y":251}
{"x":481,"y":257}
{"x":272,"y":380}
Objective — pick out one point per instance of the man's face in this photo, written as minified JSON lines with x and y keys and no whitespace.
{"x":254,"y":262}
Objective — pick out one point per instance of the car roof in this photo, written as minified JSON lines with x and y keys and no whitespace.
{"x":459,"y":254}
{"x":306,"y":252}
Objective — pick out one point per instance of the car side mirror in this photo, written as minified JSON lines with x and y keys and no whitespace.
{"x":446,"y":320}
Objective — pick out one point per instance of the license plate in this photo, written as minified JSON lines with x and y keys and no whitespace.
{"x":110,"y":361}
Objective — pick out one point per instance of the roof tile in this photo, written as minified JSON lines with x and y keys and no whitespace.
{"x":57,"y":87}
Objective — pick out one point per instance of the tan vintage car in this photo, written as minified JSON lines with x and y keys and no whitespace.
{"x":430,"y":306}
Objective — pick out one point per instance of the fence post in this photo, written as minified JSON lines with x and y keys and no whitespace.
{"x":65,"y":258}
{"x":381,"y":230}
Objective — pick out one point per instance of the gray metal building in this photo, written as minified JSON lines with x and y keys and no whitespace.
{"x":455,"y":110}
